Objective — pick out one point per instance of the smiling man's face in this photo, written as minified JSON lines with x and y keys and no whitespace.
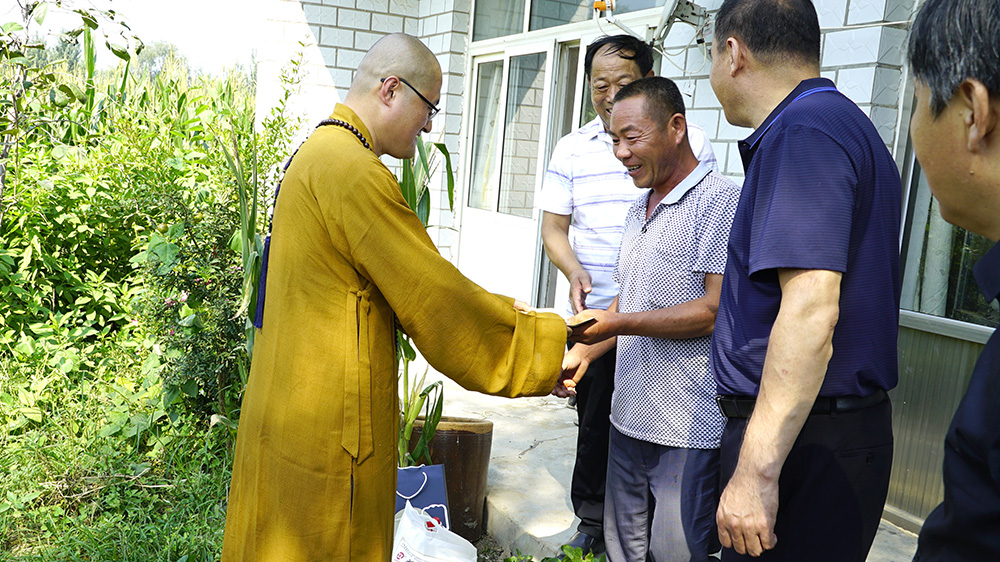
{"x":609,"y":72}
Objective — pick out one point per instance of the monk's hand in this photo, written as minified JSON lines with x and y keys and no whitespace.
{"x":747,"y":510}
{"x":579,"y":288}
{"x":574,"y":366}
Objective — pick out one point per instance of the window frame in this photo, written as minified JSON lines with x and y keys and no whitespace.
{"x":906,"y":162}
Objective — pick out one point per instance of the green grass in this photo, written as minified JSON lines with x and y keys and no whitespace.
{"x":78,"y":484}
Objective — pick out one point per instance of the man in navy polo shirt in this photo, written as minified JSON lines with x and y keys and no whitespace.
{"x":954,"y":58}
{"x":804,"y":347}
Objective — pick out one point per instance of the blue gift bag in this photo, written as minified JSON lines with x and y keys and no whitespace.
{"x":424,"y":487}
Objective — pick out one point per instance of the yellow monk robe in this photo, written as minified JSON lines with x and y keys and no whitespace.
{"x":315,"y":466}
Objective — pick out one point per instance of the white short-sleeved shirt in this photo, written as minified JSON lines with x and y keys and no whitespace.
{"x":587,"y":181}
{"x":664,"y":392}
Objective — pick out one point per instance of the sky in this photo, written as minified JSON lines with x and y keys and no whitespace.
{"x":212,"y":34}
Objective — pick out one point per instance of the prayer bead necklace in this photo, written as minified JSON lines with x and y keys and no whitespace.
{"x":349,"y":127}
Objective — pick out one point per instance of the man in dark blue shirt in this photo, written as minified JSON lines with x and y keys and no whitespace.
{"x":804,"y":347}
{"x":956,"y":68}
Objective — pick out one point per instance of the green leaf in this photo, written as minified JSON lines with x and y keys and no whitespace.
{"x":110,"y":429}
{"x":88,"y":20}
{"x":41,"y":10}
{"x":58,"y":99}
{"x":26,"y":345}
{"x":236,"y":242}
{"x":170,"y":394}
{"x":165,"y":251}
{"x":190,"y":387}
{"x":74,"y":91}
{"x":32,"y":413}
{"x":192,"y":321}
{"x":151,"y":363}
{"x":404,"y":343}
{"x":118,"y":51}
{"x":449,"y":173}
{"x":176,"y":230}
{"x":423,"y":208}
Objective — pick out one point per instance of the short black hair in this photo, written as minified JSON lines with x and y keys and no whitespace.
{"x":663,"y":99}
{"x":773,"y":30}
{"x":626,"y":46}
{"x":952,"y":40}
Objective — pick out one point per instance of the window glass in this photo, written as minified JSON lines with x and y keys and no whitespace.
{"x":522,"y":132}
{"x":486,"y":140}
{"x":564,"y":93}
{"x":497,"y":18}
{"x":564,"y":87}
{"x":587,"y":113}
{"x":550,"y":13}
{"x":937,"y":275}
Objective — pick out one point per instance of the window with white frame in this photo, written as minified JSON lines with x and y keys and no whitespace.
{"x":505,"y":151}
{"x":937,"y":263}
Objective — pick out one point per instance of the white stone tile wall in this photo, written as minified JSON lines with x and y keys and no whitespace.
{"x":856,"y":83}
{"x":865,"y":12}
{"x":832,"y":13}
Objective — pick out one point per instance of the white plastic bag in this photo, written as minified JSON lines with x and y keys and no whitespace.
{"x":419,"y":538}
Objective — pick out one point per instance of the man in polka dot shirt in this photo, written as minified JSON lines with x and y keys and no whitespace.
{"x":585,"y":195}
{"x":663,"y":466}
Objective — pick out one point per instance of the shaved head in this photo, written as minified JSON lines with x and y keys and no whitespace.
{"x":395,"y":92}
{"x":400,"y":55}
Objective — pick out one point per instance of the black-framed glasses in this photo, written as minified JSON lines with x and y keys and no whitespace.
{"x":433,"y":108}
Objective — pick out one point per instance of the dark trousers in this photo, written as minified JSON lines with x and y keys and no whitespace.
{"x":593,"y":406}
{"x":832,"y":487}
{"x":661,"y":502}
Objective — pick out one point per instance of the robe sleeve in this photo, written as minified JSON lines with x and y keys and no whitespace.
{"x":470,"y":335}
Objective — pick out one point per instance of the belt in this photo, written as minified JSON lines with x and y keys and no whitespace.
{"x":742,"y":406}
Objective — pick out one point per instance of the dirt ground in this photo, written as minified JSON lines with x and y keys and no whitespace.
{"x":489,"y":550}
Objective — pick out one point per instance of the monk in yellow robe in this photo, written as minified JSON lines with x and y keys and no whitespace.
{"x":315,"y":465}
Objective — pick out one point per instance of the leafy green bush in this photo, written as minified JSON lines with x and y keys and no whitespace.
{"x":193,"y":289}
{"x":102,"y":173}
{"x":122,"y":339}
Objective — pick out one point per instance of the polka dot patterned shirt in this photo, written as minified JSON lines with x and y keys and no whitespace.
{"x":664,"y":392}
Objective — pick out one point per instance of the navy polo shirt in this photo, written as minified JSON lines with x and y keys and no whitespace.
{"x":821,"y":192}
{"x":966,"y":526}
